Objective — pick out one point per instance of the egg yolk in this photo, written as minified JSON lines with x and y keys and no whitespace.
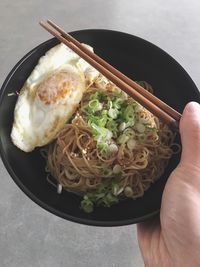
{"x":55,"y":87}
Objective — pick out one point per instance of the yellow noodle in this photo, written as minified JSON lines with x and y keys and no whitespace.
{"x":76,"y":164}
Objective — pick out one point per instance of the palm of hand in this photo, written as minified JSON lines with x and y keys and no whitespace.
{"x":168,"y":243}
{"x":152,"y":245}
{"x":175,"y":241}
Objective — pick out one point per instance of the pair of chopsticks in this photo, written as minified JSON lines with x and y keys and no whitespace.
{"x":156,"y":106}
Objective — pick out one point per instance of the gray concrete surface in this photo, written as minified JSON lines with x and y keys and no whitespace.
{"x":30,"y":236}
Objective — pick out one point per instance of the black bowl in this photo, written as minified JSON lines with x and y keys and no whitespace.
{"x":138,"y":59}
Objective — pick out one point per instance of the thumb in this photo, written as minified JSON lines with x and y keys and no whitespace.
{"x":190,"y":134}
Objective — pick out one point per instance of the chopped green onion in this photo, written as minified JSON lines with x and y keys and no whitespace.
{"x":96,"y":95}
{"x":109,"y":199}
{"x":109,"y":104}
{"x":99,"y":196}
{"x":112,"y":126}
{"x":122,"y":126}
{"x":132,"y":103}
{"x":104,"y":112}
{"x":122,"y":95}
{"x":101,"y":133}
{"x":115,"y":189}
{"x":128,"y":191}
{"x":102,"y":121}
{"x":99,"y":119}
{"x":102,"y":187}
{"x":129,"y":114}
{"x":103,"y":148}
{"x":122,"y":139}
{"x":117,"y":169}
{"x":113,"y":113}
{"x":131,"y":144}
{"x":140,"y":127}
{"x":129,"y":132}
{"x":127,"y":135}
{"x":95,"y":105}
{"x":113,"y":148}
{"x":130,"y":123}
{"x":117,"y":103}
{"x":87,"y":205}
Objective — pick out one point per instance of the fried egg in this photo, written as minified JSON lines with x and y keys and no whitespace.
{"x":50,"y":96}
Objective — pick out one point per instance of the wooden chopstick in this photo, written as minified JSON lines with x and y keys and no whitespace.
{"x":156,"y":106}
{"x":169,"y":110}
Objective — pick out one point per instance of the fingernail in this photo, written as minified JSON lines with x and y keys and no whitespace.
{"x":193,"y":107}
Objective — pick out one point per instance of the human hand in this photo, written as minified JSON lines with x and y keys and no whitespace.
{"x":175,"y":240}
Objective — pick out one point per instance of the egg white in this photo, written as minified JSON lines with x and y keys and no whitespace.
{"x":49,"y":97}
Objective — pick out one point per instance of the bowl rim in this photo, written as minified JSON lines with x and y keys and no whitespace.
{"x":27,"y":192}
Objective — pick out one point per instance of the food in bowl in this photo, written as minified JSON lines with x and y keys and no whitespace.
{"x":98,"y":142}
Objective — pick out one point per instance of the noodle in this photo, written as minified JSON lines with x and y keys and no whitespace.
{"x":111,"y":149}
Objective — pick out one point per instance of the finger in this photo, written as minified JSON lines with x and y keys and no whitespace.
{"x":190,"y":133}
